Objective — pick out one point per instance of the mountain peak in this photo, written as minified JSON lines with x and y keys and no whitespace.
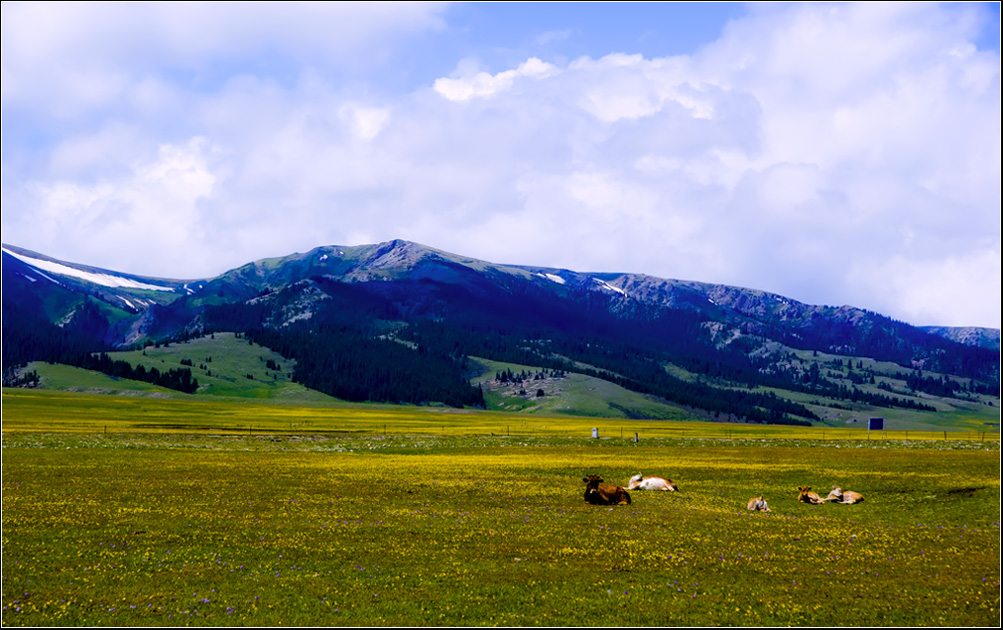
{"x":398,"y":253}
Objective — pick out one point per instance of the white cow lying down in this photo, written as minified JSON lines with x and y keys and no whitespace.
{"x":848,"y":497}
{"x":637,"y":482}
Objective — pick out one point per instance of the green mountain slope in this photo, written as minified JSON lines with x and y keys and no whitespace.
{"x":228,"y":366}
{"x":543,"y":392}
{"x":225,"y":366}
{"x":397,"y":322}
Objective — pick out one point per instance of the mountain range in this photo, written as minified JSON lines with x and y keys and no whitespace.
{"x":373,"y":322}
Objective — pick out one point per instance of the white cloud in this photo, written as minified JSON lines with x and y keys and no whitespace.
{"x":483,"y":84}
{"x":366,"y":122}
{"x":832,"y":153}
{"x":933,"y":291}
{"x":620,"y":86}
{"x":159,"y":201}
{"x":70,"y":58}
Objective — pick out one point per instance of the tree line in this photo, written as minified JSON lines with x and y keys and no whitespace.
{"x":629,"y":367}
{"x":351,"y":365}
{"x":179,"y":379}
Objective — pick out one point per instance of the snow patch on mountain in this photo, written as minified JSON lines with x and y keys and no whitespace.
{"x":552,"y":277}
{"x":609,"y":287}
{"x":96,"y":278}
{"x":46,"y":276}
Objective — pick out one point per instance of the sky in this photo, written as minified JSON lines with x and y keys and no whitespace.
{"x":832,"y":153}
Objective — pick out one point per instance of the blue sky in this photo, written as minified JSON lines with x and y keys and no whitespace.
{"x":832,"y":153}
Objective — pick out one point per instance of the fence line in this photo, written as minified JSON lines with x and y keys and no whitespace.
{"x":600,"y":430}
{"x":814,"y":434}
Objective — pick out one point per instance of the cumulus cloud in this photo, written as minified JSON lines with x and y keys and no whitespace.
{"x":484,"y":84}
{"x":159,"y":200}
{"x":832,"y":153}
{"x":91,"y":53}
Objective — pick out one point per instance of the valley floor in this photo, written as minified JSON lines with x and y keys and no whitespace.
{"x":184,"y":529}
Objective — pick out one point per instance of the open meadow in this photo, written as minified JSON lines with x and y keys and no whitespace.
{"x":127,"y":512}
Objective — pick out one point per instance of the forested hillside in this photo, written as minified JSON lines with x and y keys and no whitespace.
{"x":397,"y":322}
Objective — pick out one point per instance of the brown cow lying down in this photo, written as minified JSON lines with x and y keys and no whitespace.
{"x":598,"y":493}
{"x":806,"y":496}
{"x":637,"y":482}
{"x":757,"y":504}
{"x":848,"y":497}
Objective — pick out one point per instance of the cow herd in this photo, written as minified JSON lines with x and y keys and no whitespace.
{"x":599,"y":493}
{"x":836,"y":495}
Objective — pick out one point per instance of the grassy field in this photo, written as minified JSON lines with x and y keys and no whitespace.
{"x":579,"y":395}
{"x":325,"y":517}
{"x":571,"y":394}
{"x":225,"y":366}
{"x":44,"y":410}
{"x":229,"y":368}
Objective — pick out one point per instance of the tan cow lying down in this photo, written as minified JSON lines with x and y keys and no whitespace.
{"x":757,"y":504}
{"x":598,"y":493}
{"x":848,"y":497}
{"x":806,"y":496}
{"x":651,"y":483}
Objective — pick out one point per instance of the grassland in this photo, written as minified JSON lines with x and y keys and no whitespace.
{"x":580,"y":395}
{"x":28,"y":410}
{"x":569,"y":394}
{"x":969,"y":413}
{"x":225,"y":366}
{"x":229,"y":368}
{"x":406,"y":516}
